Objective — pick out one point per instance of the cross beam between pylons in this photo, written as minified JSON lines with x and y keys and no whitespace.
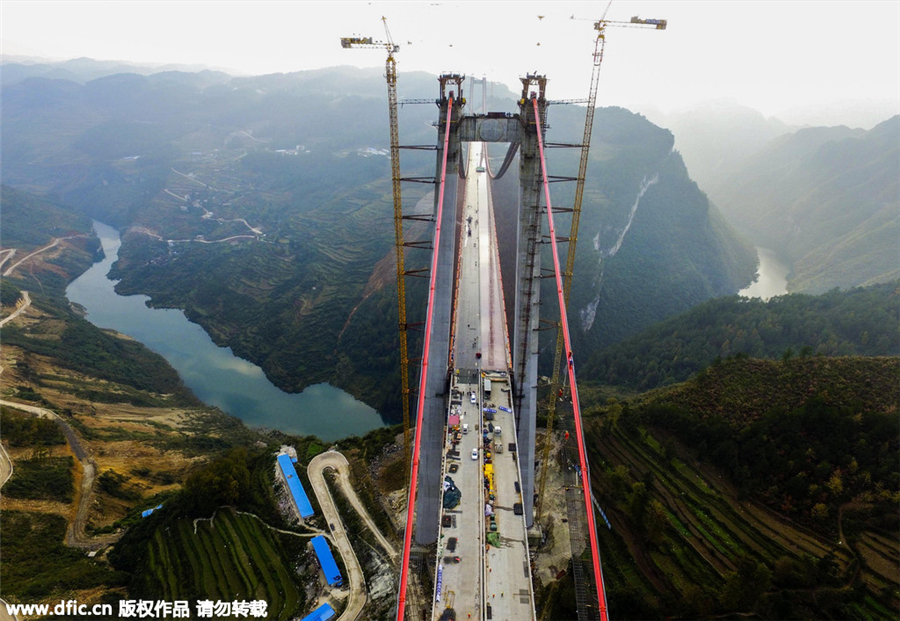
{"x":420,"y":409}
{"x":570,"y":367}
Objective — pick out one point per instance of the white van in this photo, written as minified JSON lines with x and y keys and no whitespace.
{"x":496,"y":430}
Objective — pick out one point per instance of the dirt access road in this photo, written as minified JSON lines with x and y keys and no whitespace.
{"x":52,"y":244}
{"x":9,"y":252}
{"x":75,"y":536}
{"x":20,"y":308}
{"x":336,"y":461}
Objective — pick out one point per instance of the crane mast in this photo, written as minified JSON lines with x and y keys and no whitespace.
{"x":599,"y":45}
{"x":390,"y":75}
{"x":570,"y":259}
{"x":555,"y":388}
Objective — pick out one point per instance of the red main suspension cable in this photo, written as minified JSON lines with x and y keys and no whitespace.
{"x":429,"y":319}
{"x":570,"y":366}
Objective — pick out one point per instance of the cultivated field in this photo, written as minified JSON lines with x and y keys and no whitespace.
{"x":230,"y":557}
{"x":690,"y":528}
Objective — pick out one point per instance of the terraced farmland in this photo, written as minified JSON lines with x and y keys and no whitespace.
{"x":696,"y":543}
{"x":231,"y":557}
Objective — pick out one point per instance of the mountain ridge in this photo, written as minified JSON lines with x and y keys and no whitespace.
{"x":826,"y":198}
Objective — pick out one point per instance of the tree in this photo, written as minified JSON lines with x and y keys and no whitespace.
{"x":618,"y":478}
{"x":819,"y":511}
{"x":744,"y":587}
{"x":696,"y":602}
{"x":836,"y":483}
{"x":611,"y":420}
{"x":226,"y":481}
{"x":655,"y":521}
{"x":637,"y":503}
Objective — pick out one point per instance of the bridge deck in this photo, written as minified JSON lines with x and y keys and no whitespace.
{"x":477,"y":576}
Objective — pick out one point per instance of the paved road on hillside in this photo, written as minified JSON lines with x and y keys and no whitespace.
{"x":7,"y":255}
{"x":355,"y":579}
{"x":6,"y":466}
{"x":337,"y":462}
{"x":19,"y":309}
{"x":75,"y":536}
{"x":52,"y":244}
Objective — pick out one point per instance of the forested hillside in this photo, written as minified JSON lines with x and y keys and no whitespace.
{"x":862,"y":321}
{"x":650,"y":244}
{"x":30,"y":221}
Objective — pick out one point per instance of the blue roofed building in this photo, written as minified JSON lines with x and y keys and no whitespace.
{"x":322,"y":613}
{"x":326,"y":561}
{"x":301,"y":500}
{"x":149,"y":511}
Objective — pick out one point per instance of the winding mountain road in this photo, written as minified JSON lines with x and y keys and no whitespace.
{"x":355,"y":578}
{"x":8,"y":254}
{"x":52,"y":244}
{"x":336,"y":461}
{"x":75,"y":535}
{"x":333,"y":460}
{"x":6,"y":467}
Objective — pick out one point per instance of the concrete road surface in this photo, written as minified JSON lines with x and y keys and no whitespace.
{"x":338,"y":536}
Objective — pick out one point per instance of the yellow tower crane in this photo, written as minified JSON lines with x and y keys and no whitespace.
{"x":600,"y":42}
{"x":390,"y":74}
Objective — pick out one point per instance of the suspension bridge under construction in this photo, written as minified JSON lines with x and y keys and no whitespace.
{"x":472,"y":497}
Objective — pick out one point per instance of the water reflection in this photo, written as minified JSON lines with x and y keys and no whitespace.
{"x":214,"y":373}
{"x":772,"y":279}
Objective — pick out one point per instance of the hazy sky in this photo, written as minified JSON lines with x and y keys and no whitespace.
{"x":772,"y":56}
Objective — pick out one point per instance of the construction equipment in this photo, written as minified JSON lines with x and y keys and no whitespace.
{"x":555,"y":388}
{"x":390,"y":74}
{"x":600,"y":26}
{"x":599,"y":44}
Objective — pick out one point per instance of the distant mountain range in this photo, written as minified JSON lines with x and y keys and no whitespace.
{"x":16,"y":68}
{"x":262,"y":207}
{"x":715,"y":138}
{"x":827,"y":198}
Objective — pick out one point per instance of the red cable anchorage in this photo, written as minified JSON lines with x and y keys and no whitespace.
{"x":429,"y":319}
{"x":570,"y":367}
